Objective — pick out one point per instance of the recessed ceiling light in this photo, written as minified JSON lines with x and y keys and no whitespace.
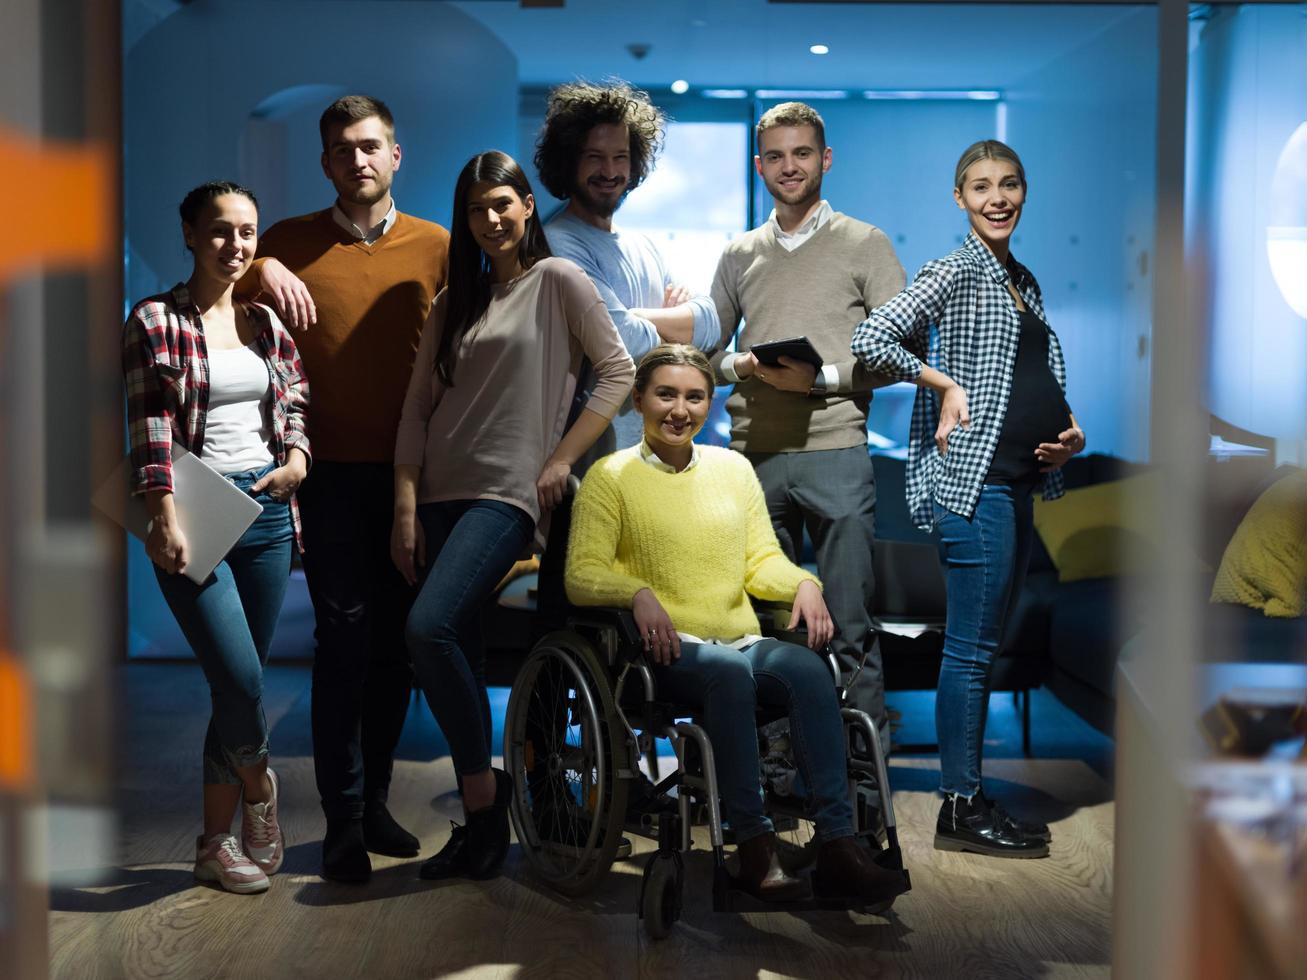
{"x":680,"y":86}
{"x":819,"y":49}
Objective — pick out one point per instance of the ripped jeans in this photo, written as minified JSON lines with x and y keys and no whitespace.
{"x":229,"y":621}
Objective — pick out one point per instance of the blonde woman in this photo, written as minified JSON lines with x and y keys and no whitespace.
{"x":679,"y":534}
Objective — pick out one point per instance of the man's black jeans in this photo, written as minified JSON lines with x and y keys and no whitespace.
{"x":362,"y":675}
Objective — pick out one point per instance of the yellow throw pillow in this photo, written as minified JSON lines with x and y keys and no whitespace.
{"x":1265,"y":563}
{"x":1102,"y":531}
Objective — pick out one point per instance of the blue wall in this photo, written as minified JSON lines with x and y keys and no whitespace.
{"x":234,"y":88}
{"x":1248,"y":98}
{"x":1085,"y":126}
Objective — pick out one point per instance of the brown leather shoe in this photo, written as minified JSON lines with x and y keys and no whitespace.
{"x":761,"y":874}
{"x":845,"y":869}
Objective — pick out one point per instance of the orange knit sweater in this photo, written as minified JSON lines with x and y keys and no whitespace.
{"x":372,"y":301}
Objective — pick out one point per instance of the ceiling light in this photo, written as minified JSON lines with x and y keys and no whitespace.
{"x":680,"y":86}
{"x":802,"y":93}
{"x":819,"y":49}
{"x":934,"y":95}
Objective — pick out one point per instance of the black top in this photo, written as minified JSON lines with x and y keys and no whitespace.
{"x":1036,"y":409}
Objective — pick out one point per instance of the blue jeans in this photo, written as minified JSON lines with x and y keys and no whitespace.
{"x":229,"y":621}
{"x":984,"y":565}
{"x":470,"y":546}
{"x":728,"y":685}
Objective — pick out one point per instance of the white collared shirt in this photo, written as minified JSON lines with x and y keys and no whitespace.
{"x":652,"y":458}
{"x":790,"y":240}
{"x":372,"y":234}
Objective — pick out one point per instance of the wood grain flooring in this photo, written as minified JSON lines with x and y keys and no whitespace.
{"x":966,"y":916}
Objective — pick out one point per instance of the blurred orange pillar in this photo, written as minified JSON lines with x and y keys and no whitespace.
{"x":66,"y":215}
{"x":16,"y":749}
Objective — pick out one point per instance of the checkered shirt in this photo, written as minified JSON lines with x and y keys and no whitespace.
{"x":958,"y":317}
{"x":166,"y":369}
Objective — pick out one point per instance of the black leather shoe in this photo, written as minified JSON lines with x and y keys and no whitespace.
{"x":978,"y":826}
{"x":761,"y":874}
{"x":1028,"y":827}
{"x":450,"y":861}
{"x":845,"y":869}
{"x":344,"y":856}
{"x":382,"y":835}
{"x":486,"y":844}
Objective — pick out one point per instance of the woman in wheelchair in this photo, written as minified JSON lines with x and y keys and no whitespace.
{"x":679,"y":534}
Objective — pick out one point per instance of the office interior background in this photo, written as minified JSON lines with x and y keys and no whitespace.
{"x":233,"y":88}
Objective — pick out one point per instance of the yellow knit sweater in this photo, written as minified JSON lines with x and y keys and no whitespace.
{"x":700,"y":539}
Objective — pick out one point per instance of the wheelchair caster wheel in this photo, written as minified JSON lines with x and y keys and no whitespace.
{"x":660,"y":898}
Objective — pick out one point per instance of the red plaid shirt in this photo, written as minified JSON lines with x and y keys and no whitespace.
{"x":166,"y":367}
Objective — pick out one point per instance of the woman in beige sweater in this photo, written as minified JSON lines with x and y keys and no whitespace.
{"x":482,"y":455}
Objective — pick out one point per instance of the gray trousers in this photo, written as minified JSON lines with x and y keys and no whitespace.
{"x":832,"y":493}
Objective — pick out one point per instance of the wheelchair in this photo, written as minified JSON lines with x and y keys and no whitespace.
{"x":582,"y":714}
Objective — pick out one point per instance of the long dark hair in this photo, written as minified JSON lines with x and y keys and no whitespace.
{"x":467,"y":287}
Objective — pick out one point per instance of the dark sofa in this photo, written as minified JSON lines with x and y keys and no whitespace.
{"x":1068,"y":636}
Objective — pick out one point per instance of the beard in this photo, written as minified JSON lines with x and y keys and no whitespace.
{"x":367,"y":194}
{"x":602,"y":206}
{"x":809,"y":190}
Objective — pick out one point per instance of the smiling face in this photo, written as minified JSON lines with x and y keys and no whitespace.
{"x":791,"y":164}
{"x":224,"y":237}
{"x":497,"y":218}
{"x":361,"y":160}
{"x":992,"y":194}
{"x":674,"y":404}
{"x":603,"y":169}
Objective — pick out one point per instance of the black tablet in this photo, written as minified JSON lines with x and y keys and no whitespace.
{"x":799,"y":348}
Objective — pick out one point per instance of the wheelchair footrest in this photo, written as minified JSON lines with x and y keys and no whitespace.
{"x":731,"y":898}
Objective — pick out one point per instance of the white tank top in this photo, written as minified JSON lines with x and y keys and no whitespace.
{"x":236,"y":433}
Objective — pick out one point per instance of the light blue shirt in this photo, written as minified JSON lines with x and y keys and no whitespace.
{"x":629,"y":273}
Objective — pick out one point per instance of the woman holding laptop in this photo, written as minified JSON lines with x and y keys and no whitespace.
{"x":223,"y":380}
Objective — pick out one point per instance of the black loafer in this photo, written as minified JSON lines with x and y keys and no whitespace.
{"x":978,"y":826}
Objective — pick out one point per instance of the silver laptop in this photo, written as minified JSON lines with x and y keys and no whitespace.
{"x":213,"y":512}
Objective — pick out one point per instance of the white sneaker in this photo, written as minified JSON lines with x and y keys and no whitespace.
{"x":219,"y":858}
{"x":261,"y":833}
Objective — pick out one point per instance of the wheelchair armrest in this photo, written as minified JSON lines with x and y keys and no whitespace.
{"x":620,"y":621}
{"x":774,"y":617}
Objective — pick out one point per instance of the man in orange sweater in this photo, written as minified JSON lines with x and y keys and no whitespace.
{"x":358,"y":280}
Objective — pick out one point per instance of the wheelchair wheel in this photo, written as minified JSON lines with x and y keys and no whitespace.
{"x":564,"y":747}
{"x":660,"y":896}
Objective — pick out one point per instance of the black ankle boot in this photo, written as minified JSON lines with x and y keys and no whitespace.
{"x":486,"y":844}
{"x":382,"y":835}
{"x":451,"y":860}
{"x":978,"y":826}
{"x":344,"y":856}
{"x":1028,"y":827}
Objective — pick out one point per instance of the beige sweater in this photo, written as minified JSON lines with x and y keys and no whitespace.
{"x":488,"y":436}
{"x":822,"y":290}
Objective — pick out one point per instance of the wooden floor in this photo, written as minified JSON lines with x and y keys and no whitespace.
{"x":966,"y":916}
